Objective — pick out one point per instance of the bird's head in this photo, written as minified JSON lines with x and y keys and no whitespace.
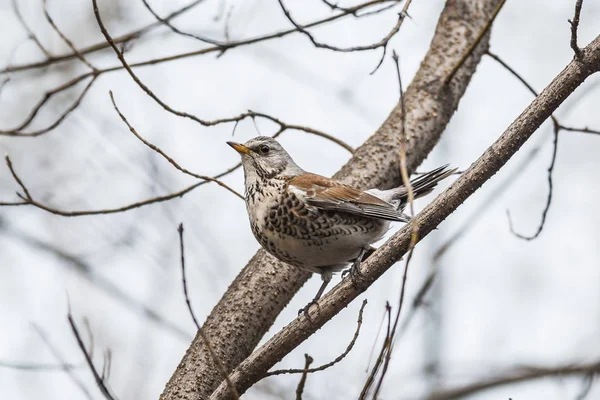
{"x":265,"y":157}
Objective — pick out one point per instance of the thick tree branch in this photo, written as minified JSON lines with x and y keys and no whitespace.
{"x":494,"y":158}
{"x":265,"y":286}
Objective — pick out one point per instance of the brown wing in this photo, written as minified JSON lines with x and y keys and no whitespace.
{"x":328,"y":194}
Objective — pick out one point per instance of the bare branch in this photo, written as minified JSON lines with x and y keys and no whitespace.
{"x":209,"y":346}
{"x":272,"y":284}
{"x":300,"y":388}
{"x":99,"y":46}
{"x":389,"y":341}
{"x":203,"y":122}
{"x":36,"y":367}
{"x":17,"y":179}
{"x":17,"y":131}
{"x":101,"y":384}
{"x":64,"y":365}
{"x":65,"y":39}
{"x":169,"y":159}
{"x":476,"y":175}
{"x":516,"y":376}
{"x":381,"y":44}
{"x":30,"y":33}
{"x":556,"y":130}
{"x":166,"y":23}
{"x":331,"y":363}
{"x":28,"y":200}
{"x":574,"y":25}
{"x":548,"y":198}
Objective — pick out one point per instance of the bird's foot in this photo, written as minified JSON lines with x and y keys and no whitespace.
{"x":306,"y":309}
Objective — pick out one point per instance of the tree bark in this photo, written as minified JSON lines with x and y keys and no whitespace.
{"x":265,"y":286}
{"x":254,"y":367}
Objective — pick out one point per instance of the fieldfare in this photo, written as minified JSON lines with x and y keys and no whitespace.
{"x":313,"y":222}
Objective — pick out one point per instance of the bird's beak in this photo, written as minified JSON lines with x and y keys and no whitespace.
{"x":240,"y":148}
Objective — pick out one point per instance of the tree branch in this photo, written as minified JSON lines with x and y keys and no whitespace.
{"x":265,"y":286}
{"x":516,"y":376}
{"x":494,"y":158}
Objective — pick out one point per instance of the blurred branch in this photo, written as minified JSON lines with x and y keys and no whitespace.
{"x":331,"y":363}
{"x":494,"y":158}
{"x":209,"y":346}
{"x":517,"y":376}
{"x":87,"y":272}
{"x":18,"y":130}
{"x":300,"y":389}
{"x":98,"y":46}
{"x":37,"y":367}
{"x":64,"y":365}
{"x":99,"y":381}
{"x":65,"y":39}
{"x":30,"y":34}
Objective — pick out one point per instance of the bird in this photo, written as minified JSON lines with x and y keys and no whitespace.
{"x":313,"y":222}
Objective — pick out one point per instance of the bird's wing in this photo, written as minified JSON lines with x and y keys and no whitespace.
{"x":327,"y":194}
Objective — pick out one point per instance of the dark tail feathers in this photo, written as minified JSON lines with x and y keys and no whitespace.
{"x":425,"y":183}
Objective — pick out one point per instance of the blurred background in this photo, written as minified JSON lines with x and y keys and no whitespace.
{"x":497,"y":302}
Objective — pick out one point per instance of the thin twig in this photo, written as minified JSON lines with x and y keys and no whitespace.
{"x":480,"y":36}
{"x":64,"y":366}
{"x":30,"y":33}
{"x":331,"y":363}
{"x":548,"y":198}
{"x":414,"y":235}
{"x":101,"y":384}
{"x":384,"y":347}
{"x":217,"y":361}
{"x":574,"y":25}
{"x":182,"y":114}
{"x":18,"y":131}
{"x":556,"y":130}
{"x":165,"y":156}
{"x":383,"y":43}
{"x":99,"y":46}
{"x":166,"y":23}
{"x":16,"y":178}
{"x":300,"y":388}
{"x":36,"y":367}
{"x":65,"y":39}
{"x":183,"y":278}
{"x":30,"y":201}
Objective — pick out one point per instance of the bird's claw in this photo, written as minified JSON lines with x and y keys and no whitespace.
{"x":306,"y":309}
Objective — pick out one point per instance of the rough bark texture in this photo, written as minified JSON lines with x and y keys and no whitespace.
{"x":265,"y":286}
{"x":255,"y":366}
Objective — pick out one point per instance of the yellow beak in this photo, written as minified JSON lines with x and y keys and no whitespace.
{"x":240,"y":148}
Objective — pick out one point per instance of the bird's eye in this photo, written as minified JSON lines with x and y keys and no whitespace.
{"x":264,"y":149}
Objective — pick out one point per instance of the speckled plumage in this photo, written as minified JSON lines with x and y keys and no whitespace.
{"x":313,"y":222}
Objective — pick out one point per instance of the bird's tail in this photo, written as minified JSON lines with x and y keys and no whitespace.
{"x":422,"y":185}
